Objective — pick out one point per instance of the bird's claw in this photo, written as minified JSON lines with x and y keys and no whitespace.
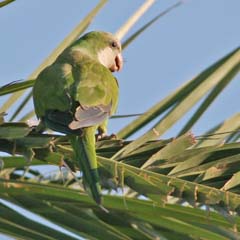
{"x":100,"y":136}
{"x":104,"y":136}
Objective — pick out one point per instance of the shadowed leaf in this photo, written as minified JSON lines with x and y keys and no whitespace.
{"x":6,"y":2}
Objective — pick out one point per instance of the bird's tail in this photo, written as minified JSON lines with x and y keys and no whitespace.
{"x":85,"y":155}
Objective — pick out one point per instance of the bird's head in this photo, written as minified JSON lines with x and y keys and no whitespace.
{"x":104,"y":47}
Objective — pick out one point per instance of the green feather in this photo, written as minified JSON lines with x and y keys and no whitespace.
{"x":77,"y":79}
{"x":85,"y":155}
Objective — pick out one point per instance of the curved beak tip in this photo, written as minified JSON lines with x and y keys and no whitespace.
{"x":119,"y":62}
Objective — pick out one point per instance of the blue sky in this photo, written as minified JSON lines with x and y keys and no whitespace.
{"x":172,"y":51}
{"x":175,"y":49}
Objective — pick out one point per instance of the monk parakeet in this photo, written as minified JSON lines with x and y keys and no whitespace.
{"x":77,"y":93}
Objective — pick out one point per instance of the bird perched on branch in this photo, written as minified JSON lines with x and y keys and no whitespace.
{"x":77,"y":93}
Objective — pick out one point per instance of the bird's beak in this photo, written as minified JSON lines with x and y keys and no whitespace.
{"x":118,"y":63}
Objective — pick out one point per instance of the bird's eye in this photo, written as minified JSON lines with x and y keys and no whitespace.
{"x":114,"y":44}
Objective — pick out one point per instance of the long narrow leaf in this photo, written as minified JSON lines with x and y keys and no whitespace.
{"x":5,"y":2}
{"x":220,"y":72}
{"x":133,"y":19}
{"x":170,"y":100}
{"x":66,"y":42}
{"x":222,"y":131}
{"x":167,"y":185}
{"x":179,"y":219}
{"x":20,"y":223}
{"x":148,"y":24}
{"x":209,"y":100}
{"x":21,"y":106}
{"x":15,"y":86}
{"x":173,"y":148}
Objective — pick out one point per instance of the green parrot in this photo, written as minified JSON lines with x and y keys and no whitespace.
{"x":76,"y":95}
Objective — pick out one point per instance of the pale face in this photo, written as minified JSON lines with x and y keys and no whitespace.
{"x":111,"y":56}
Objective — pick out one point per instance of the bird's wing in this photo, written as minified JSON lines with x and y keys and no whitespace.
{"x":90,"y":116}
{"x":93,"y":89}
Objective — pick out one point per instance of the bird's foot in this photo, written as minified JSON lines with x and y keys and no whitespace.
{"x":104,"y":136}
{"x":36,"y":126}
